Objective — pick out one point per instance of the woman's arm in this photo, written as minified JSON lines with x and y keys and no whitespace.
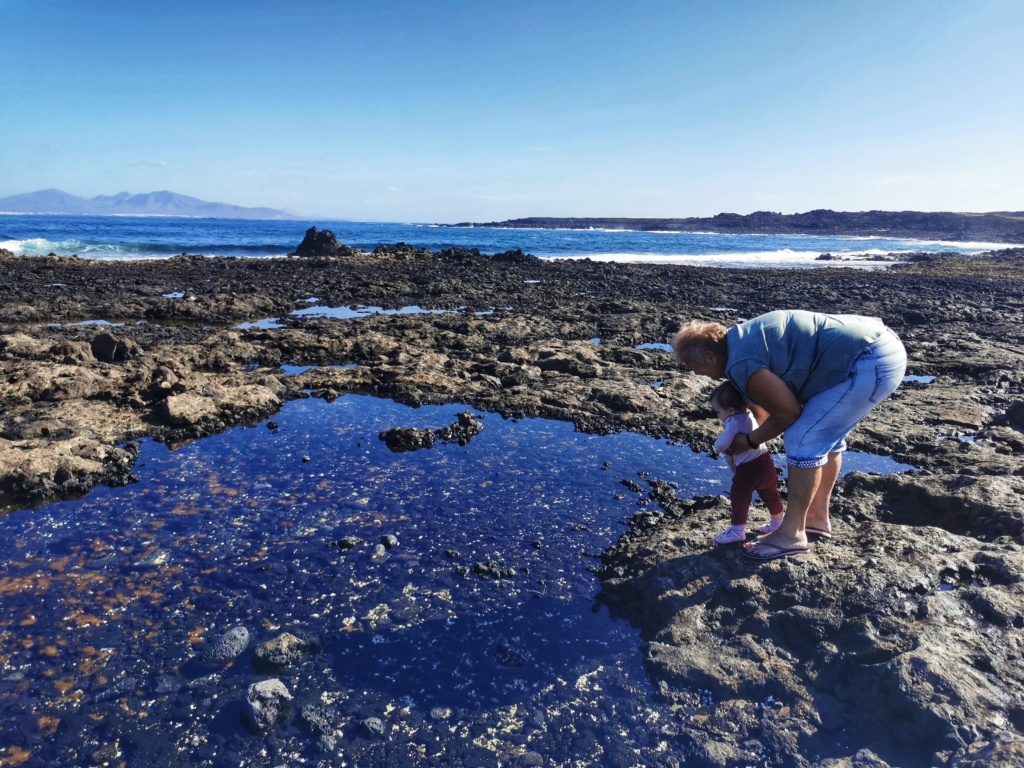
{"x":759,"y":413}
{"x":778,"y":406}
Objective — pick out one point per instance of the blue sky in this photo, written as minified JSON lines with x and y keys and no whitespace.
{"x":451,"y":111}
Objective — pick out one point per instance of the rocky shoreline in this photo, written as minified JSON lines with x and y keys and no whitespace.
{"x":896,"y":643}
{"x":997,"y":227}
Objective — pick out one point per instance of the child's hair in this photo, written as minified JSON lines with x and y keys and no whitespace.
{"x":727,"y":396}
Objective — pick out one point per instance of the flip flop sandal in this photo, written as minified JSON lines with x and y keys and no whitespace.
{"x":773,"y":552}
{"x":818,"y":532}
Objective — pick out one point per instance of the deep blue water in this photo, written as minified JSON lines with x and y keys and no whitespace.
{"x":109,"y":601}
{"x":133,"y":237}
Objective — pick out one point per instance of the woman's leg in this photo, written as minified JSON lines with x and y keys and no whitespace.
{"x":817,"y":512}
{"x":802,"y":485}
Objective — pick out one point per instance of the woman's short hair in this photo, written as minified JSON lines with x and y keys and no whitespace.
{"x":695,"y":339}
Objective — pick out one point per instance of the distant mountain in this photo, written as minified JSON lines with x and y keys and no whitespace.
{"x":127,"y":204}
{"x":997,"y":226}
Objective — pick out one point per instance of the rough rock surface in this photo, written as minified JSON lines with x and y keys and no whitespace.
{"x":322,"y":244}
{"x":909,"y":621}
{"x":283,"y":651}
{"x":228,"y":646}
{"x":267,"y":703}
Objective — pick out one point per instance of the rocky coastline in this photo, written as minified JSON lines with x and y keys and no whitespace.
{"x":897,"y":643}
{"x":997,"y":227}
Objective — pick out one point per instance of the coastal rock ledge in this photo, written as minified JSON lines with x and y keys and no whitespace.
{"x":902,"y":640}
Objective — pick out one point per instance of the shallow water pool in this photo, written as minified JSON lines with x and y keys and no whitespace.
{"x":474,"y":639}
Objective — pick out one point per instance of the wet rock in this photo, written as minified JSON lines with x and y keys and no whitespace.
{"x":464,"y":430}
{"x":379,"y":552}
{"x":389,"y":541}
{"x":154,"y":559}
{"x":321,"y":721}
{"x":119,"y":463}
{"x":285,"y":650}
{"x":374,"y":728}
{"x":634,"y":486}
{"x":267,"y":704}
{"x":228,"y":646}
{"x":402,"y":439}
{"x":492,"y":570}
{"x":347,"y":542}
{"x":107,"y":754}
{"x":507,"y":656}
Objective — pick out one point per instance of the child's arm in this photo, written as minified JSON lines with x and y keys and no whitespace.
{"x":728,"y":435}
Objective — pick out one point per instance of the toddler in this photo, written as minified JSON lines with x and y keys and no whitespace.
{"x":753,"y":470}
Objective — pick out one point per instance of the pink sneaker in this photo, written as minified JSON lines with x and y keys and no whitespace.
{"x":731,"y":536}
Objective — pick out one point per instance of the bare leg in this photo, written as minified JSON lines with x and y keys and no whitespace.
{"x":817,"y":513}
{"x":802,"y":486}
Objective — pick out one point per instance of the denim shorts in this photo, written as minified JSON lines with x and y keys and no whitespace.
{"x":828,"y":416}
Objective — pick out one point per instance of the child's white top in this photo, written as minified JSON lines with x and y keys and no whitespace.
{"x":738,"y":424}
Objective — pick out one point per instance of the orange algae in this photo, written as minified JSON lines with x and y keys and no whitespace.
{"x":15,"y":756}
{"x":48,"y":725}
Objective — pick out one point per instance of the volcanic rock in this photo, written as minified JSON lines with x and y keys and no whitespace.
{"x":267,"y":703}
{"x":228,"y":646}
{"x":322,"y":244}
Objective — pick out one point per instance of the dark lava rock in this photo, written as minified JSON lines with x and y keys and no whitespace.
{"x":348,"y":542}
{"x":228,"y":646}
{"x":390,"y":541}
{"x":267,"y":703}
{"x":379,"y":552}
{"x":118,"y":465}
{"x":320,"y":720}
{"x":633,"y":486}
{"x":507,"y":656}
{"x":493,"y":570}
{"x":464,"y":430}
{"x":402,"y":439}
{"x":322,"y":244}
{"x":107,"y":348}
{"x":374,"y":727}
{"x":283,"y":651}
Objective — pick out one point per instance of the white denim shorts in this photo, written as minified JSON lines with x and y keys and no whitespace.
{"x":829,"y":416}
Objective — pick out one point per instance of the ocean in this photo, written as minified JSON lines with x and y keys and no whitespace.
{"x":153,"y":237}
